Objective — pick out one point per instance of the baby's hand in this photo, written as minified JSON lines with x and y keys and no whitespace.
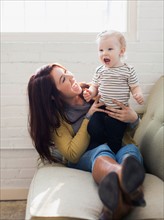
{"x":139,"y":98}
{"x":87,"y":95}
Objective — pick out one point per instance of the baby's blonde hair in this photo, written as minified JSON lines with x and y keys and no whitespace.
{"x":109,"y":33}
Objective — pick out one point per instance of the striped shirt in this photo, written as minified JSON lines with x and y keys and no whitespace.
{"x":115,"y":83}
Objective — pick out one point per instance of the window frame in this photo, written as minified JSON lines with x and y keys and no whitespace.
{"x":131,"y":34}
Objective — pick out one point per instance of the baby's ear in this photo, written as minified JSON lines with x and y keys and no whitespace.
{"x":122,"y":51}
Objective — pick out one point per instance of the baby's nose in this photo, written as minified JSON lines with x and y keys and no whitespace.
{"x":104,"y":52}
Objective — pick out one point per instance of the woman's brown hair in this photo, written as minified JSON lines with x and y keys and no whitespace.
{"x":46,"y":109}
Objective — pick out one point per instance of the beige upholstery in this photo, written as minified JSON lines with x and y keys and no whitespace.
{"x":150,"y":133}
{"x":61,"y":193}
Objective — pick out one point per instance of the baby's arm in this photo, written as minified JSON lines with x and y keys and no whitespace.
{"x":88,"y":94}
{"x":137,"y":94}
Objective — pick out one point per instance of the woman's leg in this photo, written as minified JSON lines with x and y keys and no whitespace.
{"x":113,"y":162}
{"x":128,"y":150}
{"x":87,"y":160}
{"x":103,"y":165}
{"x":120,"y":183}
{"x":131,"y":159}
{"x":101,"y":161}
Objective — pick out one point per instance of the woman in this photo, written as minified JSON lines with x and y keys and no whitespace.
{"x":58,"y":116}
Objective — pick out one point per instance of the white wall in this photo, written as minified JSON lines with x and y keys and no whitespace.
{"x":23,"y":53}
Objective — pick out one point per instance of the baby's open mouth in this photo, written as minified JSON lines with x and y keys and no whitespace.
{"x":106,"y":60}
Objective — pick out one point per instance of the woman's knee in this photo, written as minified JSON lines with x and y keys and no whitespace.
{"x":129,"y":150}
{"x":102,"y":150}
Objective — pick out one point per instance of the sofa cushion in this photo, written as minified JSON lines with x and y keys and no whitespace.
{"x":65,"y":192}
{"x":150,"y":133}
{"x":153,"y":191}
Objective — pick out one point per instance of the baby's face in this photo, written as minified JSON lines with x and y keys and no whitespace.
{"x":110,"y":51}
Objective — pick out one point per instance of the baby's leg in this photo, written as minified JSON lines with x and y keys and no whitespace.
{"x":96,"y":128}
{"x":114,"y":131}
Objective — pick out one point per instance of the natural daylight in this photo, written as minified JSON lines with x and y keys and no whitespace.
{"x":82,"y":110}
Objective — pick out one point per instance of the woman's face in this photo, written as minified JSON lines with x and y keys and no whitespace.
{"x":65,"y":82}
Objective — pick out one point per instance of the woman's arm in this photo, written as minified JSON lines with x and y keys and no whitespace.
{"x":71,"y":145}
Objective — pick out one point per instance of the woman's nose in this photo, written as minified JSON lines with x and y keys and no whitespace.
{"x":69,"y":74}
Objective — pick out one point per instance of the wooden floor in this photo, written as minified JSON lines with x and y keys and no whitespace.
{"x":12,"y":210}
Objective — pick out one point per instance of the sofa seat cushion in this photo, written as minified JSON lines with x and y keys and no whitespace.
{"x":61,"y":193}
{"x":153,"y":191}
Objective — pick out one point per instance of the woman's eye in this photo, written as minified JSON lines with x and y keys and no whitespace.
{"x":63,"y":79}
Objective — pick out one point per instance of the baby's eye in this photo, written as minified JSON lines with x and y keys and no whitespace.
{"x":110,"y":49}
{"x":101,"y":50}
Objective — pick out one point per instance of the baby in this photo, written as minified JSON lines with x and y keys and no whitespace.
{"x":114,"y":79}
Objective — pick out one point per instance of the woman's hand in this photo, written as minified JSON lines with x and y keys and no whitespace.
{"x":95,"y":107}
{"x":125,"y":113}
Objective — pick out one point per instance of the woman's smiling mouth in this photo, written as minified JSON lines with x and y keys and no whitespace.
{"x":76,"y":87}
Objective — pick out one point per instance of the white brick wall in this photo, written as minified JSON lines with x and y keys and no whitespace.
{"x":23,"y":53}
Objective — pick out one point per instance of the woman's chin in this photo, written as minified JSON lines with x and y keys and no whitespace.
{"x":77,"y":89}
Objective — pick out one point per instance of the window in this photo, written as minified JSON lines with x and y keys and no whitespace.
{"x":65,"y":16}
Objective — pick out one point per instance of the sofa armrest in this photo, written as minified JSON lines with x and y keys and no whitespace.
{"x":149,"y":134}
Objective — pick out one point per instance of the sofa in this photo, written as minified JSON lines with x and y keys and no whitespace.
{"x":61,"y":193}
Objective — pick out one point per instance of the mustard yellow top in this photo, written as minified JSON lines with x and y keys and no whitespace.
{"x":69,"y":144}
